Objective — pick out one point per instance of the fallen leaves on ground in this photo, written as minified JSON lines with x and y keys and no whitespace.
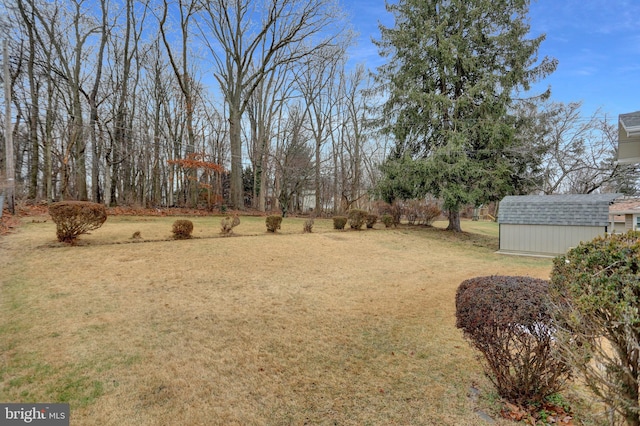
{"x":539,"y":415}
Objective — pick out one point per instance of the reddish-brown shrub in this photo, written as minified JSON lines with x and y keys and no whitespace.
{"x":420,"y":212}
{"x":508,"y":319}
{"x":308,"y":225}
{"x":273,"y":222}
{"x":73,"y":218}
{"x":182,"y":229}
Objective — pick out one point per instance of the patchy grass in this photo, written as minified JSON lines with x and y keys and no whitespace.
{"x":331,"y":327}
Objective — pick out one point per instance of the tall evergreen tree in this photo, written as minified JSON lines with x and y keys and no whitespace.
{"x":453,"y":69}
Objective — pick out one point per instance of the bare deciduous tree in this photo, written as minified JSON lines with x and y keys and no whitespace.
{"x":579,"y":152}
{"x":248,"y":40}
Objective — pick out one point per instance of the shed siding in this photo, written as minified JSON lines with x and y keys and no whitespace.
{"x":628,"y":147}
{"x":550,"y":240}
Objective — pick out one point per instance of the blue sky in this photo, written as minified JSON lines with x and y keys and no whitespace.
{"x":597,"y":44}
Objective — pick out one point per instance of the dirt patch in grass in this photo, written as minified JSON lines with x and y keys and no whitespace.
{"x":331,"y":327}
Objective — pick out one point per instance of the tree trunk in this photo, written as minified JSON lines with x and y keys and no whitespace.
{"x":454,"y":221}
{"x":236,"y":190}
{"x":318,"y":195}
{"x":48,"y":143}
{"x":33,"y":122}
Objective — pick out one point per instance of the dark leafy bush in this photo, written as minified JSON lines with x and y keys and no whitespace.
{"x":508,"y":320}
{"x":595,"y":290}
{"x":182,"y":229}
{"x":371,"y":220}
{"x":273,"y":223}
{"x":308,"y":225}
{"x":74,"y":218}
{"x":357,"y":218}
{"x":228,"y":223}
{"x":387,"y":219}
{"x":339,"y":222}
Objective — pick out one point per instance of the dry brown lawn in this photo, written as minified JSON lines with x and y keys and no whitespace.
{"x":327,"y":328}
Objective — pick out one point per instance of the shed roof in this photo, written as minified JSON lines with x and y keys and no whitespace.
{"x":568,"y":209}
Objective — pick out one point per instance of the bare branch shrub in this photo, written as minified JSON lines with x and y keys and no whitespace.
{"x":273,"y":223}
{"x":182,"y":229}
{"x":507,"y":319}
{"x":420,"y":212}
{"x":228,"y":223}
{"x":308,"y":225}
{"x":595,"y":289}
{"x":73,"y":218}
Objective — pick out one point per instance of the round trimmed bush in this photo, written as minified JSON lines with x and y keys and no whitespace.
{"x":388,"y":221}
{"x":182,"y":229}
{"x":357,"y":218}
{"x":228,"y":223}
{"x":507,"y":318}
{"x":73,"y":218}
{"x":339,"y":222}
{"x":273,"y":223}
{"x":595,"y":290}
{"x":371,"y":220}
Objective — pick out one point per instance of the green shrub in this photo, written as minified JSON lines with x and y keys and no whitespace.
{"x":339,"y":222}
{"x":371,"y":220}
{"x":595,"y":292}
{"x":228,"y":223}
{"x":308,"y":225}
{"x":73,"y":218}
{"x":357,"y":218}
{"x":508,"y":320}
{"x":388,"y":221}
{"x":273,"y":223}
{"x":182,"y":229}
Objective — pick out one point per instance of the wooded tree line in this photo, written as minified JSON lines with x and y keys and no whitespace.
{"x":255,"y":104}
{"x":162,"y":103}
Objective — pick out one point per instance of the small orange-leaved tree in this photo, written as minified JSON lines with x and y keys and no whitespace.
{"x":203,"y":179}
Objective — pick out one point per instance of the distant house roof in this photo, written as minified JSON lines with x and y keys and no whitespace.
{"x":569,"y":209}
{"x":631,"y":123}
{"x":625,"y":205}
{"x":629,"y":137}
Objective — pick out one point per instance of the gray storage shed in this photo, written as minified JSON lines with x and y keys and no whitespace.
{"x":549,"y":225}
